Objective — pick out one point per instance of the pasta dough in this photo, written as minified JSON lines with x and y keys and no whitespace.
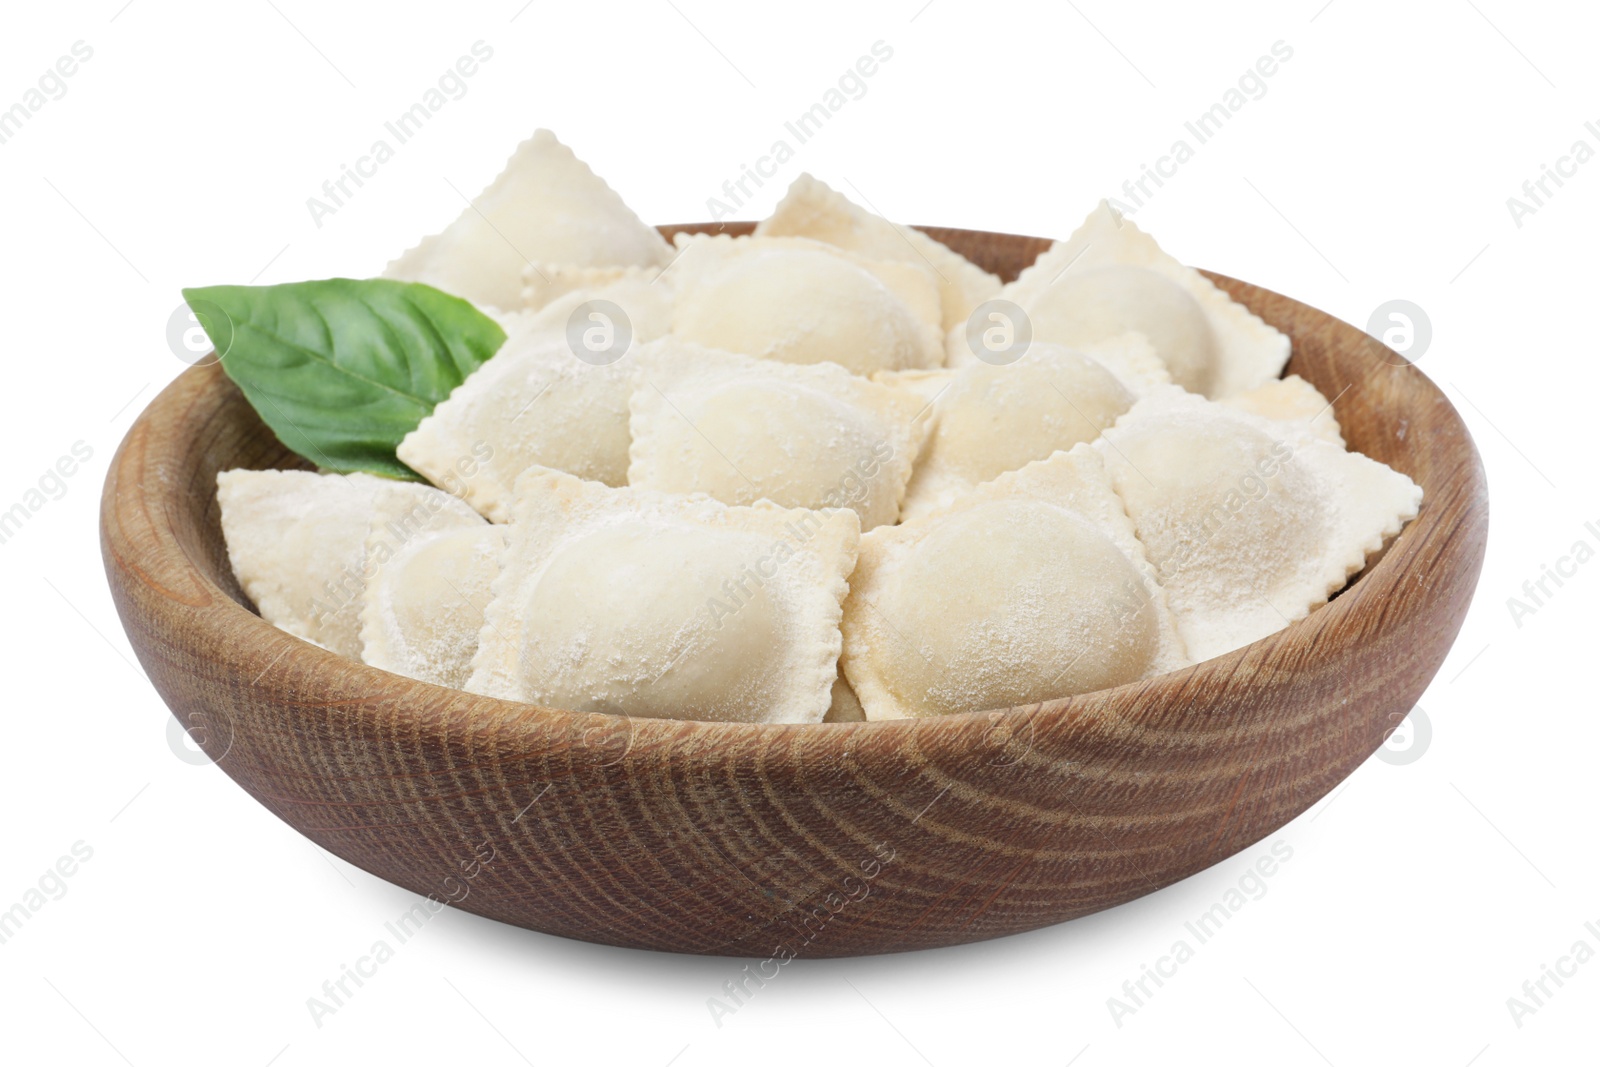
{"x":297,"y":542}
{"x":423,"y":609}
{"x":991,"y":419}
{"x":1110,"y":277}
{"x":640,"y":603}
{"x":544,"y":284}
{"x":1029,"y":588}
{"x":1251,"y":523}
{"x":811,"y":209}
{"x":1128,"y":355}
{"x":546,"y":207}
{"x":745,"y":429}
{"x":541,"y":400}
{"x":1292,"y":399}
{"x":801,"y":301}
{"x":643,"y":297}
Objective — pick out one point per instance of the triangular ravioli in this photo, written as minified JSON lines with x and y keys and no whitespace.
{"x":546,"y":206}
{"x":1110,"y":277}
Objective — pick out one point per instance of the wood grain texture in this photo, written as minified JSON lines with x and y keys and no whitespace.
{"x":752,"y":840}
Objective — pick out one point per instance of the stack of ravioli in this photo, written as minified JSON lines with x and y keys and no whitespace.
{"x":793,"y":487}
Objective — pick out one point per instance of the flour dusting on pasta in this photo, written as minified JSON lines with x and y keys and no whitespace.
{"x":776,"y":478}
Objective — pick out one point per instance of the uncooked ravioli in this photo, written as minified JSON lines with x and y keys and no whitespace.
{"x":546,"y":206}
{"x":640,"y":603}
{"x":745,"y":429}
{"x":544,"y":399}
{"x":423,"y":609}
{"x":297,"y":542}
{"x":811,"y":209}
{"x":1100,"y":302}
{"x":1292,"y":399}
{"x":1029,"y":588}
{"x":804,"y":302}
{"x":988,"y":419}
{"x":1250,"y":522}
{"x":1110,"y":277}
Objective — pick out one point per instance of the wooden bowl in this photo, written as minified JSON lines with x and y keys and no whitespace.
{"x":771,"y":841}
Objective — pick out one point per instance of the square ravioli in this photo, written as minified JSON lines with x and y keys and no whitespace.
{"x":298,"y":542}
{"x":989,"y":419}
{"x":639,"y":603}
{"x":743,"y":429}
{"x":1110,"y":277}
{"x":801,"y":301}
{"x":1031,"y":587}
{"x":811,"y":209}
{"x":423,"y":609}
{"x":555,"y":395}
{"x":546,"y":206}
{"x":1250,"y":522}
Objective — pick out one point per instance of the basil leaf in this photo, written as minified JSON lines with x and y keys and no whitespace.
{"x":342,"y":369}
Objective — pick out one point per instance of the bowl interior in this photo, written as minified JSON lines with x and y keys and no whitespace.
{"x":1321,"y":355}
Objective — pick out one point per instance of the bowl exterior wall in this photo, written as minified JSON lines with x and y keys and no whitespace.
{"x":775,"y":841}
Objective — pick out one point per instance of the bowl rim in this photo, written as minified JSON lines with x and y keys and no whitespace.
{"x":325,"y":670}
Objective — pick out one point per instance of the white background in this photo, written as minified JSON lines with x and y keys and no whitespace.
{"x":1420,"y":895}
